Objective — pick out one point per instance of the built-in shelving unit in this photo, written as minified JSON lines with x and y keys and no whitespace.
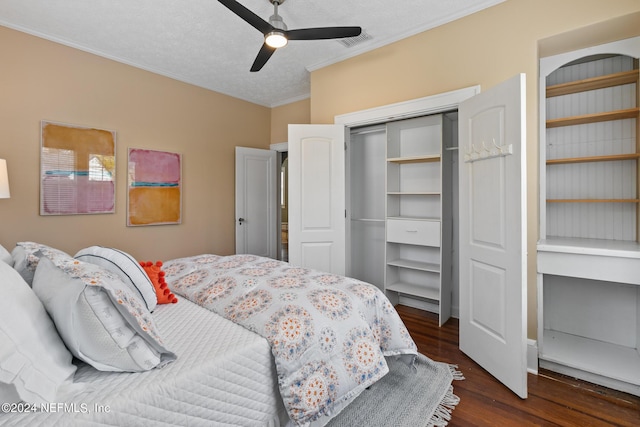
{"x":629,"y":77}
{"x":588,"y":254}
{"x":418,"y":224}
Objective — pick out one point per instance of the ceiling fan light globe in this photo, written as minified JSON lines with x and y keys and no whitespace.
{"x":275,"y":39}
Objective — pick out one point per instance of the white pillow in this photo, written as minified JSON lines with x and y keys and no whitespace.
{"x":126,"y":267}
{"x":5,"y":256}
{"x":98,"y":317}
{"x":25,"y":259}
{"x":34,"y":363}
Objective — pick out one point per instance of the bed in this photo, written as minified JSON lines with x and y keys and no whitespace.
{"x":219,"y":357}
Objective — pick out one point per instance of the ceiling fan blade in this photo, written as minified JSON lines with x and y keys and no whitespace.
{"x":323,"y":33}
{"x":263,"y":56}
{"x":244,"y":13}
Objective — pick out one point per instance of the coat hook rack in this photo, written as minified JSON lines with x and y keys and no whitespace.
{"x":482,"y":151}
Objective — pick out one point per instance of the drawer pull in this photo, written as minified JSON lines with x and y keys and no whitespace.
{"x":411,"y":231}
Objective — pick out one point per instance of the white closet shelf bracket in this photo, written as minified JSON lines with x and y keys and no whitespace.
{"x":483,"y":152}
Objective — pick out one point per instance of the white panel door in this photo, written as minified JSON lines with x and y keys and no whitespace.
{"x":256,"y":202}
{"x":493,"y":232}
{"x":317,"y":197}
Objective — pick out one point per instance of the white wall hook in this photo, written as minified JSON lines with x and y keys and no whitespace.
{"x":482,"y":152}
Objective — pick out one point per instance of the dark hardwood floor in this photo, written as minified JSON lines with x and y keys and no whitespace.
{"x":554,"y":399}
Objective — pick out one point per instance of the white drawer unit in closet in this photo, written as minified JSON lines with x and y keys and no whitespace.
{"x":414,"y":231}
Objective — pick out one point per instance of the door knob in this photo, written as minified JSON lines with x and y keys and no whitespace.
{"x":241,"y":220}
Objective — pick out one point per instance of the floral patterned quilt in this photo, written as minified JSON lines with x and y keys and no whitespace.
{"x":329,"y":334}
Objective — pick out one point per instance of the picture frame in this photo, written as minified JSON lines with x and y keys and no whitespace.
{"x":154,"y":187}
{"x":77,"y":169}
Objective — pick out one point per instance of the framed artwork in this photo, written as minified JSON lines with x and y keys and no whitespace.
{"x":77,"y":169}
{"x":154,"y":194}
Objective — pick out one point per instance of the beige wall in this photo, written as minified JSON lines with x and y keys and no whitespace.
{"x":485,"y":48}
{"x":295,"y":113}
{"x":44,"y":80}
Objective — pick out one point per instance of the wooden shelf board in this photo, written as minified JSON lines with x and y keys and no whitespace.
{"x":593,"y":200}
{"x":415,"y":159}
{"x":600,"y":82}
{"x":628,"y":113}
{"x":609,"y":158}
{"x":414,"y":290}
{"x":415,"y":265}
{"x":606,"y":359}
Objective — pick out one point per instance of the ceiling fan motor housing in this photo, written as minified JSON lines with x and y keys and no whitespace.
{"x":276,"y":22}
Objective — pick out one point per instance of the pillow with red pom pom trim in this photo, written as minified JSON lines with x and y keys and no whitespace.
{"x":155,"y":273}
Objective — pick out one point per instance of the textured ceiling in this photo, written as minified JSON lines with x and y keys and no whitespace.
{"x":203,"y":43}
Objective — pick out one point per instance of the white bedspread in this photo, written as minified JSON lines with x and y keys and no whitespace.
{"x":224,"y":376}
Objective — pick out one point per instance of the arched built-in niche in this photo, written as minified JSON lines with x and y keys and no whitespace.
{"x":588,"y":253}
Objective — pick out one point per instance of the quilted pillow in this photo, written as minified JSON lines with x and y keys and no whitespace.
{"x":124,"y":266}
{"x":25,"y":259}
{"x":155,"y":273}
{"x":35,"y":366}
{"x":99,"y":318}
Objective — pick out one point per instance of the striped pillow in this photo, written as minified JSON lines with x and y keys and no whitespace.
{"x":126,"y":267}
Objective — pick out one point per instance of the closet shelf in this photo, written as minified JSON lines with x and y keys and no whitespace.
{"x":628,"y":113}
{"x":600,"y":82}
{"x":368,"y":220}
{"x":593,"y":200}
{"x":608,"y":158}
{"x":415,"y":159}
{"x":413,"y":218}
{"x":414,"y":193}
{"x":415,"y":265}
{"x":415,"y":290}
{"x":587,"y":354}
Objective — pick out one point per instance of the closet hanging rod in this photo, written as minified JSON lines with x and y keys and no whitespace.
{"x":450,"y":148}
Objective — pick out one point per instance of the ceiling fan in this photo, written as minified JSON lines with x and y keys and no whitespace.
{"x":276,"y":34}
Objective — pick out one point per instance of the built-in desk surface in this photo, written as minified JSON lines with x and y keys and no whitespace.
{"x":609,"y":260}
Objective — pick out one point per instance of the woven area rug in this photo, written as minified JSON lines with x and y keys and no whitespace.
{"x":405,"y":397}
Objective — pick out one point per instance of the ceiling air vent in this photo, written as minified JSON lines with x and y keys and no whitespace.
{"x":352,"y":41}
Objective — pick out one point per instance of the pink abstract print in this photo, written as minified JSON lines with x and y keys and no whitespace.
{"x":155,"y":189}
